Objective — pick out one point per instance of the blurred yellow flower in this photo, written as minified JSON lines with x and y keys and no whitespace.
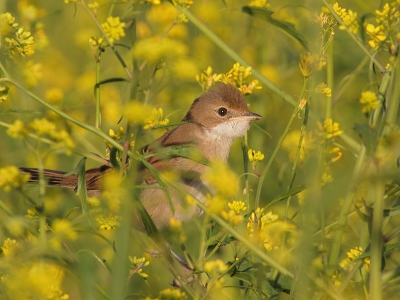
{"x":64,"y":229}
{"x":137,"y":112}
{"x":8,"y":247}
{"x":310,"y":63}
{"x":323,"y":88}
{"x":54,"y":95}
{"x":11,"y":177}
{"x":32,"y":72}
{"x":369,"y":100}
{"x":154,"y":51}
{"x":107,"y":223}
{"x":114,"y":29}
{"x":215,"y":267}
{"x":330,"y":129}
{"x":172,"y":294}
{"x":222,"y":178}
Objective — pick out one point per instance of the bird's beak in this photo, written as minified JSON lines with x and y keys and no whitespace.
{"x":248,"y":116}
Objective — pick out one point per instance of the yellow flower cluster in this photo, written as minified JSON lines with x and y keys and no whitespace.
{"x":259,"y":3}
{"x":154,"y":51}
{"x":63,"y":230}
{"x":215,"y":267}
{"x":42,"y":128}
{"x":351,"y":256}
{"x":114,"y":29}
{"x":170,"y":294}
{"x":348,"y":18}
{"x":323,"y":88}
{"x":233,"y":216}
{"x":389,"y":16}
{"x":117,"y":136}
{"x":7,"y":247}
{"x":107,"y":223}
{"x":236,"y":76}
{"x":237,"y":206}
{"x":255,"y":157}
{"x":179,"y":4}
{"x":330,"y":129}
{"x":269,"y":229}
{"x":207,"y":79}
{"x":11,"y":177}
{"x":156,"y":119}
{"x":369,"y":100}
{"x":137,"y":265}
{"x":22,"y":41}
{"x":310,"y":63}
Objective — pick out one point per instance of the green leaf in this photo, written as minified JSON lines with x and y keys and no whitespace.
{"x":266,"y":15}
{"x":293,"y":191}
{"x":19,"y":111}
{"x":80,"y":169}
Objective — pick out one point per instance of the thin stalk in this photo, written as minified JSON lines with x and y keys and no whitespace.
{"x":97,"y":94}
{"x":377,"y":241}
{"x":393,"y":108}
{"x":344,"y":212}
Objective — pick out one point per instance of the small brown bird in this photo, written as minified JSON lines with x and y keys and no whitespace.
{"x":213,"y":122}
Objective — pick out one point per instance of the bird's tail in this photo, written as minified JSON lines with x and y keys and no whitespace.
{"x":53,"y":178}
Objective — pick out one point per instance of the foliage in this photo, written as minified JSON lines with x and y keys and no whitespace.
{"x":318,"y":219}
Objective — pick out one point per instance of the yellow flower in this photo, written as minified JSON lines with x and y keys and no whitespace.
{"x":17,"y":130}
{"x":32,"y":73}
{"x":63,"y":228}
{"x":107,"y":223}
{"x":157,"y":119}
{"x":310,"y":63}
{"x":154,"y":51}
{"x":172,"y":294}
{"x":255,"y":157}
{"x":376,"y":34}
{"x":22,"y":43}
{"x":330,"y":129}
{"x":8,"y":247}
{"x":322,"y":88}
{"x":237,"y":206}
{"x":215,"y":267}
{"x":369,"y":100}
{"x":207,"y":79}
{"x":11,"y":177}
{"x":137,"y":112}
{"x":114,"y":29}
{"x":326,"y":178}
{"x":222,"y":178}
{"x":54,"y":95}
{"x":138,"y":264}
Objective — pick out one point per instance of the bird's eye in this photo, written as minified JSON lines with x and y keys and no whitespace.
{"x":222,"y":111}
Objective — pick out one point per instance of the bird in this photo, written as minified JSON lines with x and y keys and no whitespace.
{"x":214,"y":121}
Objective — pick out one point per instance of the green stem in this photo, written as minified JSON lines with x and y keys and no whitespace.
{"x":377,"y":240}
{"x":278,"y":146}
{"x":393,"y":106}
{"x":337,"y":239}
{"x":97,"y":94}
